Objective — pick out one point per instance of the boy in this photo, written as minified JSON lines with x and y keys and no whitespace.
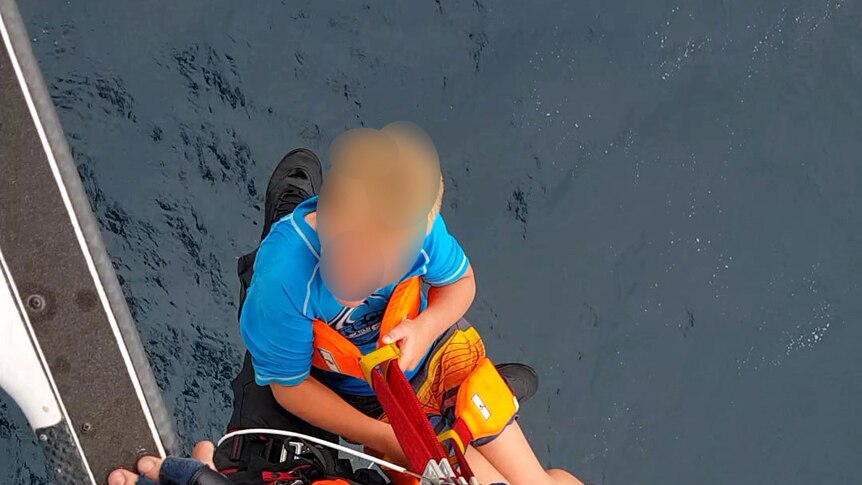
{"x":337,"y":259}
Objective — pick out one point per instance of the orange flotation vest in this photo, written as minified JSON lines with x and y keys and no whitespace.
{"x":335,"y":353}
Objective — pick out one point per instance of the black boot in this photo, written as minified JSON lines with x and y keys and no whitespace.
{"x":522,"y":380}
{"x":297,"y":177}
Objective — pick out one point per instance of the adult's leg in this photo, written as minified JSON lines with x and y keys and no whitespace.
{"x":255,"y":407}
{"x":296,"y":177}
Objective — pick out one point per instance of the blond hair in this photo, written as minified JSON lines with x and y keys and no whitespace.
{"x":438,"y":204}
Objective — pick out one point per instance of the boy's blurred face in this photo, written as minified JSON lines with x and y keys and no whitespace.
{"x":372,"y":212}
{"x":355,"y":261}
{"x":352,"y":267}
{"x":359,"y":251}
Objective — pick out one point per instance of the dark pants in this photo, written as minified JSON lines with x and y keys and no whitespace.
{"x":255,"y":407}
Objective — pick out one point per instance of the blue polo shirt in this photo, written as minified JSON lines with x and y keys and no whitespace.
{"x":287,"y":293}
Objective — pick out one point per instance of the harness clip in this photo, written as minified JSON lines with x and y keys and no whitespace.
{"x":379,"y":357}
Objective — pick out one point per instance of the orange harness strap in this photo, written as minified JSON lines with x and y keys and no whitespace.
{"x":404,"y":303}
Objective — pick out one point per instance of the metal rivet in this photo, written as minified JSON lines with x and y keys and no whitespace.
{"x":36,"y":302}
{"x":87,"y":427}
{"x":43,"y":437}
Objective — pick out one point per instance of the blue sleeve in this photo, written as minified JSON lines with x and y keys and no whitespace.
{"x":278,"y":336}
{"x":447,"y":262}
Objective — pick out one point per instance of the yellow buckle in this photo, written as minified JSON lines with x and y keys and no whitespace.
{"x":380,"y":356}
{"x":450,"y":434}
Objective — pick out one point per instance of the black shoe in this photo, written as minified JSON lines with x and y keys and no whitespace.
{"x":297,"y":177}
{"x":522,"y":380}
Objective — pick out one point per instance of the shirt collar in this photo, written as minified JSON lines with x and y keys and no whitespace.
{"x":303,"y":228}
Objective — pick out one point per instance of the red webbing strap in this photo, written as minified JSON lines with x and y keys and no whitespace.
{"x":463,"y":431}
{"x":406,"y":398}
{"x":414,"y":448}
{"x":463,"y":468}
{"x":460,"y":427}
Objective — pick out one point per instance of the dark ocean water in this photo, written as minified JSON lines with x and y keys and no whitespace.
{"x":661,"y":201}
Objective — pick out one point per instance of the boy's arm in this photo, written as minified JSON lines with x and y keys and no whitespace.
{"x":299,"y":393}
{"x":320,"y":406}
{"x":446,"y":305}
{"x":280,"y":338}
{"x":453,"y":288}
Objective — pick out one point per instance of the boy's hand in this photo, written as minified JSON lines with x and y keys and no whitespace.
{"x":415,"y":338}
